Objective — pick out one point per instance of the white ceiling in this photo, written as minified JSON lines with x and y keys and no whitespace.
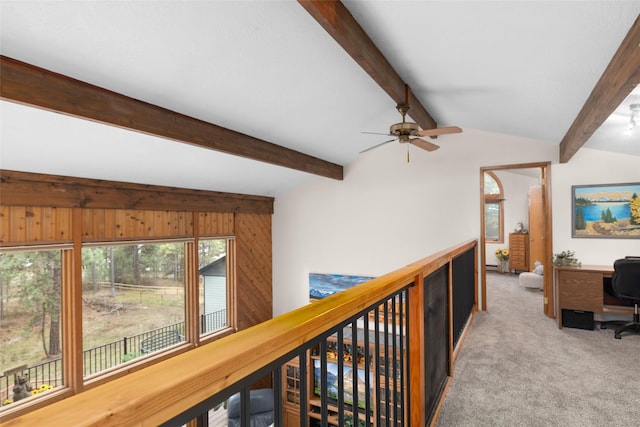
{"x":267,"y":69}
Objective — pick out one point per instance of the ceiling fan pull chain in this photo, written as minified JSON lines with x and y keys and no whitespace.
{"x":408,"y":160}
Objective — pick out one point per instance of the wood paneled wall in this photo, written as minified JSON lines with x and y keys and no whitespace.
{"x":118,"y":224}
{"x":253,"y":241}
{"x":22,"y":224}
{"x":34,"y":225}
{"x":211,"y":223}
{"x":29,"y":225}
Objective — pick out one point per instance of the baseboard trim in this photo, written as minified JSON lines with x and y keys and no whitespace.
{"x":456,"y":350}
{"x":434,"y":420}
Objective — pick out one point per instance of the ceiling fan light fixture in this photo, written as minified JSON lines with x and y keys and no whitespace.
{"x":633,"y":119}
{"x":403,"y":129}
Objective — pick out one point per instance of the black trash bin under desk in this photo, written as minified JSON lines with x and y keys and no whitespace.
{"x":578,"y":319}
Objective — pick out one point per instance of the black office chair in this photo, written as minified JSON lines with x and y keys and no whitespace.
{"x":626,"y":285}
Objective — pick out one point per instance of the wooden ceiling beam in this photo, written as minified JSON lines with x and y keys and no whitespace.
{"x":619,"y":79}
{"x":334,"y":17}
{"x":30,"y":85}
{"x":34,"y":189}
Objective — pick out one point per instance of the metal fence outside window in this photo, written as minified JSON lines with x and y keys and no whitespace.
{"x":101,"y":358}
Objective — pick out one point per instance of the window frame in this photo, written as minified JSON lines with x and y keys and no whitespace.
{"x":231,"y":291}
{"x":65,"y":251}
{"x":496,"y":199}
{"x":73,"y":379}
{"x":140,"y":358}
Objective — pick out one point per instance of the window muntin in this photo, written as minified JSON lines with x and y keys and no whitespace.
{"x":492,"y":221}
{"x":213,"y":284}
{"x":492,"y":185}
{"x":133,"y":301}
{"x":493,"y":208}
{"x":167,"y":260}
{"x":30,"y":324}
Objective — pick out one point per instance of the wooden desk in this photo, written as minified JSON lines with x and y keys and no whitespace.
{"x":582,"y":288}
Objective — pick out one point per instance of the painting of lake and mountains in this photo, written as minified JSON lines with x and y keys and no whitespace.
{"x":610,"y":211}
{"x":323,"y":285}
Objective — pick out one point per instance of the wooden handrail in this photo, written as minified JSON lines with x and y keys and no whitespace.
{"x":162,"y":391}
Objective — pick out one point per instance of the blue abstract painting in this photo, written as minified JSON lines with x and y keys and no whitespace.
{"x":323,"y":285}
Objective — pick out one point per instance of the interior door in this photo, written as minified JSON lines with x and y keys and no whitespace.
{"x":536,"y":228}
{"x":540,"y":239}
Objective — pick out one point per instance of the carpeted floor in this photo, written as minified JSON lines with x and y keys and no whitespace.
{"x":516,"y":368}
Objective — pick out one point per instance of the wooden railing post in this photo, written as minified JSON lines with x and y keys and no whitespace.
{"x":416,"y":352}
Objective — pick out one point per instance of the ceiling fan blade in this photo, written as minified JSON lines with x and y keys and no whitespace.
{"x":439,"y":131}
{"x":375,"y":133}
{"x":425,"y":145}
{"x":378,"y":145}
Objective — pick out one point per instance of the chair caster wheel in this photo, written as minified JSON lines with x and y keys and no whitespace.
{"x":618,"y":336}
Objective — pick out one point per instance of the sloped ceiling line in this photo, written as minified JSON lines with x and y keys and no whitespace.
{"x":334,"y":17}
{"x":617,"y":82}
{"x":30,"y":85}
{"x":619,"y":79}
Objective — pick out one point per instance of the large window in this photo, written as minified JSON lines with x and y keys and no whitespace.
{"x":30,"y":324}
{"x":493,"y":209}
{"x":133,"y":302}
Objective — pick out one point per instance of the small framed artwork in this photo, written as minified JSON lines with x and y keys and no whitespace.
{"x":610,"y":211}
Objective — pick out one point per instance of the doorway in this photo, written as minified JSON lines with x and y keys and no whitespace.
{"x":541,"y":240}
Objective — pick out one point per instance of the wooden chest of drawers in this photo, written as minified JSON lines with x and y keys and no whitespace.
{"x":519,"y":251}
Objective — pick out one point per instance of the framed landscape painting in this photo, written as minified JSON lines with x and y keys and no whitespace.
{"x":607,"y":211}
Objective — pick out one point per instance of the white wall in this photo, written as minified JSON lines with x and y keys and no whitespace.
{"x":387,"y":213}
{"x":586,"y":167}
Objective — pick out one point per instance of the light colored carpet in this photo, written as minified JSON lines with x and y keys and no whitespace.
{"x":516,"y":368}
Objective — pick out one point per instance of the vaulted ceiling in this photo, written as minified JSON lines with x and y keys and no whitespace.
{"x":255,"y":97}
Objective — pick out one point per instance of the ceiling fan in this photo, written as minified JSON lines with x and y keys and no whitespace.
{"x":410,"y":132}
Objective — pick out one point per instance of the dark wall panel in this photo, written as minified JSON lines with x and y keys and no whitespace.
{"x":463,"y":291}
{"x":436,"y":328}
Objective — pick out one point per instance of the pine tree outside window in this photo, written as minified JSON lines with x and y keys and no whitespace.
{"x":30,"y":324}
